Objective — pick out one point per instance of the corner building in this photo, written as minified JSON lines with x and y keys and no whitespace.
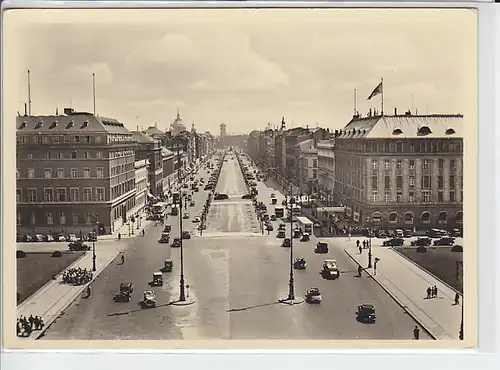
{"x":401,"y":171}
{"x":74,"y":171}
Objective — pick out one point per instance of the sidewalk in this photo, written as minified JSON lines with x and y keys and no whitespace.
{"x":407,"y":283}
{"x":124,"y":229}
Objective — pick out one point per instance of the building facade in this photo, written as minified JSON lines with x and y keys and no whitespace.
{"x":401,"y":170}
{"x":75,"y":173}
{"x":326,"y":170}
{"x":168,"y":168}
{"x":150,"y":149}
{"x":307,"y":159}
{"x":141,"y":184}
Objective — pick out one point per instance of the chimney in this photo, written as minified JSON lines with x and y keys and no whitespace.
{"x":68,"y":111}
{"x":25,"y":109}
{"x":395,"y":111}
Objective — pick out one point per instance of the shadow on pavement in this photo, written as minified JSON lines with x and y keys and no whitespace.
{"x":142,"y":309}
{"x":249,"y":307}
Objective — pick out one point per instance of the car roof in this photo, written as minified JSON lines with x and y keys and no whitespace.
{"x":156,"y":273}
{"x":367,"y":306}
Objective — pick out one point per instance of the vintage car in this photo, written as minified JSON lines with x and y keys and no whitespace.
{"x":125,"y":293}
{"x":176,"y":243}
{"x":196,"y":219}
{"x":281,"y":226}
{"x":165,"y":238}
{"x":185,"y":216}
{"x":208,"y":187}
{"x":297,"y":233}
{"x":265,"y":217}
{"x":313,"y":295}
{"x":366,"y":313}
{"x":321,"y":247}
{"x":281,"y":234}
{"x":168,"y":266}
{"x":78,"y":246}
{"x":305,"y":237}
{"x":407,"y":233}
{"x":394,"y":242}
{"x":273,"y":195}
{"x":157,"y":279}
{"x":330,"y":269}
{"x":221,"y":197}
{"x":149,"y":299}
{"x":192,"y":203}
{"x":299,"y":263}
{"x":269,"y":226}
{"x":273,"y":217}
{"x":186,"y":235}
{"x":286,"y":243}
{"x":421,"y":242}
{"x":167,"y":228}
{"x":444,"y":241}
{"x":274,"y":201}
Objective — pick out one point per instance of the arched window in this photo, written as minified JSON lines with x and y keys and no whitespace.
{"x":459,"y":217}
{"x":397,"y":131}
{"x":425,"y":218}
{"x":409,"y":218}
{"x":393,"y":217}
{"x":450,"y":131}
{"x":376,"y":218}
{"x":424,"y":130}
{"x":443,"y":217}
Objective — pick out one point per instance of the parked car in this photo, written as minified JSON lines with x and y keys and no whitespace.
{"x":176,"y":243}
{"x":444,"y":241}
{"x":221,"y":197}
{"x":49,"y":238}
{"x":421,"y":242}
{"x":407,"y":233}
{"x":196,"y":219}
{"x":286,"y":243}
{"x":321,"y":247}
{"x":72,"y":238}
{"x":186,"y":235}
{"x":394,"y":242}
{"x":366,"y":313}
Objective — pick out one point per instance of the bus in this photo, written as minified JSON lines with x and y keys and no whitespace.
{"x":279,"y":212}
{"x":159,"y":208}
{"x":176,"y":196}
{"x":305,"y":225}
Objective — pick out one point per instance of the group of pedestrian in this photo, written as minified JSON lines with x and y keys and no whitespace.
{"x":432,"y":292}
{"x":362,"y":245}
{"x":77,"y":276}
{"x":25,"y":326}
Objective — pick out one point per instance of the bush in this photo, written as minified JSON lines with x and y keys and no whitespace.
{"x":57,"y":254}
{"x":421,"y":249}
{"x":457,"y":248}
{"x":20,"y":254}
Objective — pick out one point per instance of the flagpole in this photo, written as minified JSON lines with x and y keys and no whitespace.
{"x":382,"y":113}
{"x":355,"y":102}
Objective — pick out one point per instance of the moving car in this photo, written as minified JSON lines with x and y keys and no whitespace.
{"x":185,"y":216}
{"x":273,"y":195}
{"x":297,"y":233}
{"x":167,"y":228}
{"x":221,"y":197}
{"x":421,"y":242}
{"x":299,"y":263}
{"x":78,"y":246}
{"x":176,"y":243}
{"x":286,"y":243}
{"x":149,"y":300}
{"x":208,"y":187}
{"x":305,"y":237}
{"x":281,"y":234}
{"x":273,"y":217}
{"x":157,"y":279}
{"x":394,"y":242}
{"x":125,"y":293}
{"x":168,"y":266}
{"x":269,"y":226}
{"x":321,"y":247}
{"x":192,"y":204}
{"x":281,"y":226}
{"x":246,"y":196}
{"x":186,"y":235}
{"x":366,"y":313}
{"x":330,"y":269}
{"x":313,"y":295}
{"x":197,"y":219}
{"x":165,"y":238}
{"x":444,"y":241}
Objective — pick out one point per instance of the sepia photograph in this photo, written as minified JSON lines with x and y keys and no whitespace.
{"x":265,"y":175}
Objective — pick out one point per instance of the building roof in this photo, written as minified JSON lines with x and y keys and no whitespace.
{"x":142,"y":138}
{"x":404,"y":126}
{"x":307,"y":146}
{"x":153,"y":130}
{"x":166,"y":152}
{"x":78,"y":122}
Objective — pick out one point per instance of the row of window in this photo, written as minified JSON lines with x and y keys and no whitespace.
{"x":426,"y":196}
{"x":426,"y":181}
{"x":411,"y":164}
{"x":123,"y":188}
{"x":67,"y":139}
{"x":61,"y":218}
{"x":60,"y":173}
{"x":425,"y":217}
{"x":72,"y":155}
{"x":122,"y":168}
{"x":85,"y":194}
{"x":390,"y":146}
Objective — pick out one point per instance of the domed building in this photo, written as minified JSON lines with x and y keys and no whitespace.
{"x":177,"y":126}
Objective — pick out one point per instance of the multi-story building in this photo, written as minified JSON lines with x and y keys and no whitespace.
{"x":154,"y":132}
{"x":168,"y":168}
{"x":141,"y":184}
{"x":401,"y":170}
{"x":253,"y":145}
{"x":149,"y":148}
{"x":75,"y":172}
{"x":326,"y":170}
{"x":307,"y":160}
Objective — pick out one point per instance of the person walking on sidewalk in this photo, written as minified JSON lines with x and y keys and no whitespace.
{"x":434,"y":291}
{"x":143,"y":232}
{"x":119,"y":236}
{"x":416,"y":333}
{"x":457,"y":299}
{"x":123,"y":259}
{"x":360,"y":270}
{"x":375,"y":266}
{"x":89,"y":291}
{"x":429,"y":292}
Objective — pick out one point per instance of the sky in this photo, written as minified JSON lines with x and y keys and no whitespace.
{"x":246,"y":68}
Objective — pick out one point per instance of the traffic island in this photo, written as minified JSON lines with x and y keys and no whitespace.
{"x":186,"y":302}
{"x":291,"y":302}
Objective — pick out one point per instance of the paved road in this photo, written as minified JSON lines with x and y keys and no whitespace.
{"x":236,"y":278}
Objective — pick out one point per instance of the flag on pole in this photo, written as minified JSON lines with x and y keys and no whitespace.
{"x":378,"y":90}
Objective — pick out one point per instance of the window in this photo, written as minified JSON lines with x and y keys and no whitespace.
{"x":34,"y":140}
{"x":50,"y":221}
{"x":76,"y":219}
{"x":452,"y":182}
{"x":399,"y":164}
{"x":100,"y":194}
{"x":74,"y":194}
{"x":86,"y":155}
{"x":67,"y":139}
{"x":33,"y":218}
{"x":387,"y":181}
{"x":86,"y":172}
{"x":426,"y":164}
{"x":426,"y":182}
{"x":440,"y":182}
{"x":374,"y":196}
{"x":441,"y":164}
{"x":48,"y":155}
{"x":100,"y":172}
{"x":49,"y":194}
{"x":374,"y":182}
{"x":387,"y":196}
{"x":399,"y":182}
{"x":411,"y":182}
{"x":17,"y":173}
{"x":45,"y":139}
{"x":87,"y":194}
{"x":99,"y":154}
{"x":452,"y":196}
{"x":98,"y":139}
{"x":48,"y":173}
{"x":62,"y":218}
{"x":315,"y":163}
{"x":60,"y":173}
{"x":32,"y":195}
{"x":31,"y":173}
{"x":87,"y":139}
{"x":18,"y":195}
{"x":56,"y":139}
{"x":412,"y":164}
{"x":440,"y":196}
{"x":30,"y":155}
{"x":411,"y":196}
{"x":18,"y":218}
{"x":74,"y":173}
{"x":453,"y":164}
{"x":77,"y":139}
{"x":427,"y":196}
{"x":399,"y":196}
{"x":90,"y":217}
{"x":61,"y":195}
{"x":387,"y":164}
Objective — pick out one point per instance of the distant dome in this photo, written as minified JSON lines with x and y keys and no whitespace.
{"x":177,"y":126}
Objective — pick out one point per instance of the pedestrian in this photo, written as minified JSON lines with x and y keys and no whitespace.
{"x":360,"y":269}
{"x":349,"y":235}
{"x":360,"y":250}
{"x":435,"y":293}
{"x":123,"y":259}
{"x":375,"y":266}
{"x":119,"y":236}
{"x":143,"y":232}
{"x":18,"y":327}
{"x":89,"y":291}
{"x":31,"y":320}
{"x":457,"y":298}
{"x":416,"y":333}
{"x":429,"y":292}
{"x":364,"y":244}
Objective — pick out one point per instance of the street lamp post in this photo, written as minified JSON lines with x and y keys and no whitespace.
{"x":94,"y":238}
{"x":461,"y":332}
{"x":370,"y":252}
{"x":182,"y":296}
{"x":291,"y":292}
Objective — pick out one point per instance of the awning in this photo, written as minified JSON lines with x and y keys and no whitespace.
{"x":331,"y":209}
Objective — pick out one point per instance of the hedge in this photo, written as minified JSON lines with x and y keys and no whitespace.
{"x":457,"y":248}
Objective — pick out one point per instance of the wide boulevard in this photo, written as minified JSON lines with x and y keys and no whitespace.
{"x":236,"y":276}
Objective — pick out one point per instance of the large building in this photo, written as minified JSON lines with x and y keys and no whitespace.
{"x":326,"y":170}
{"x":402,"y":170}
{"x":307,"y":160}
{"x":150,"y":149}
{"x":141,"y":185}
{"x":74,"y":172}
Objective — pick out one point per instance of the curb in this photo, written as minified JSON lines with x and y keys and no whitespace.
{"x":66,"y":305}
{"x":413,"y":316}
{"x":423,"y":269}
